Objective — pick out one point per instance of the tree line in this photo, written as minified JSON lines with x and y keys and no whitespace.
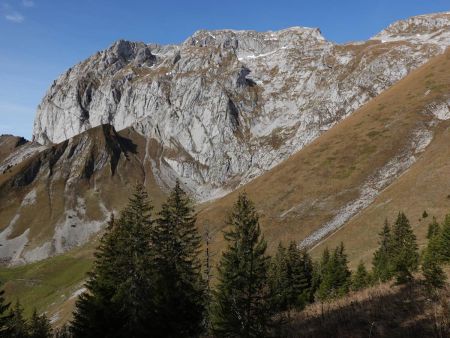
{"x":148,"y":279}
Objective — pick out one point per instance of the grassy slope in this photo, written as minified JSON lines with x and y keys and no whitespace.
{"x":304,"y":192}
{"x":425,"y":186}
{"x":48,"y":285}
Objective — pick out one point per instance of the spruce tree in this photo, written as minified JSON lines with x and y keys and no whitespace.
{"x":435,"y":276}
{"x":382,"y":258}
{"x":17,"y":324}
{"x":241,"y":307}
{"x":361,"y":278}
{"x":290,"y":278}
{"x":120,"y":289}
{"x":181,"y":288}
{"x":405,"y":250}
{"x":4,"y":315}
{"x":279,"y":280}
{"x":319,"y":284}
{"x":433,"y":229}
{"x":300,"y":276}
{"x":39,"y":326}
{"x":335,"y":275}
{"x":444,"y":240}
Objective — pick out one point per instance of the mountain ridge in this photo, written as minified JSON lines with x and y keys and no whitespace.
{"x":265,"y":95}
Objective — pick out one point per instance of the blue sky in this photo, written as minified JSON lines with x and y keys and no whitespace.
{"x":40,"y":39}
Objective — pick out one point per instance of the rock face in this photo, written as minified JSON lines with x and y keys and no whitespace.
{"x":228,"y":105}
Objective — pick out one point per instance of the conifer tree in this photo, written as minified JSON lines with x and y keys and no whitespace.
{"x":335,"y":275}
{"x":120,"y":289}
{"x":278,"y":280}
{"x":39,"y":326}
{"x":17,"y":324}
{"x":300,"y":276}
{"x":435,"y":276}
{"x":382,"y":258}
{"x":433,"y":229}
{"x":181,"y":288}
{"x":444,"y":241}
{"x":361,"y":278}
{"x":4,"y":315}
{"x":405,"y":250}
{"x":241,"y":307}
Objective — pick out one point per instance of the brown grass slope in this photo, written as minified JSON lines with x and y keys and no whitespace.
{"x":306,"y":191}
{"x":381,"y":311}
{"x":424,"y":187}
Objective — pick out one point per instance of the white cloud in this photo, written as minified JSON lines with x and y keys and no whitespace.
{"x":28,"y":3}
{"x":15,"y":17}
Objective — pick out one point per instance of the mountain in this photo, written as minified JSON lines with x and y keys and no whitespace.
{"x":228,"y":105}
{"x":306,"y":126}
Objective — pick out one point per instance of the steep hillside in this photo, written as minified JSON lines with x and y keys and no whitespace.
{"x":58,"y":197}
{"x":319,"y":189}
{"x":229,"y":105}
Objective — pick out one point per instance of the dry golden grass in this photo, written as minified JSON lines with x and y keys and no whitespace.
{"x":382,"y":311}
{"x":304,"y":192}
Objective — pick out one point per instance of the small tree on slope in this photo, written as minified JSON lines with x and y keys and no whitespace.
{"x":444,"y":240}
{"x":405,"y":250}
{"x":241,"y":307}
{"x":432,"y":258}
{"x":361,"y":278}
{"x":382,"y":258}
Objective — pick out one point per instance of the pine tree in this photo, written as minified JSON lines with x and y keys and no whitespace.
{"x":444,"y":241}
{"x":241,"y":307}
{"x":120,"y":289}
{"x":361,"y":278}
{"x":433,"y":229}
{"x":432,"y":267}
{"x":17,"y":324}
{"x":279,"y":280}
{"x":299,"y":276}
{"x":382,"y":258}
{"x":405,"y":250}
{"x":39,"y":326}
{"x":4,"y":316}
{"x":335,"y":275}
{"x":321,"y":285}
{"x":181,"y":288}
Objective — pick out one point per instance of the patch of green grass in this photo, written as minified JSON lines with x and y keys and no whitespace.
{"x":47,"y":283}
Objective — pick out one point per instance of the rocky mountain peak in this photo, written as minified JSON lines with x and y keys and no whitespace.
{"x":246,"y":42}
{"x":227,"y":105}
{"x":429,"y":26}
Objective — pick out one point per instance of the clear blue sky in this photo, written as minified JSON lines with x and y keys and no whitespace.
{"x":40,"y":39}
